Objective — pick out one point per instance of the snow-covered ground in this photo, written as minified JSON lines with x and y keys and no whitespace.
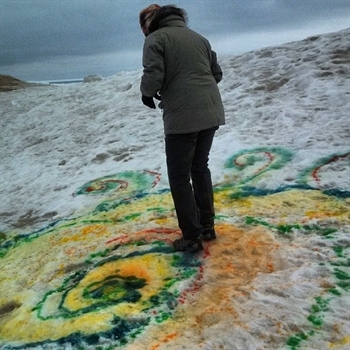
{"x":86,"y":219}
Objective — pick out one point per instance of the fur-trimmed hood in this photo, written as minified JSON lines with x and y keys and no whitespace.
{"x":180,"y":64}
{"x":164,"y":12}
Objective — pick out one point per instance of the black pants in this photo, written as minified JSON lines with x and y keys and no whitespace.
{"x":187,"y":159}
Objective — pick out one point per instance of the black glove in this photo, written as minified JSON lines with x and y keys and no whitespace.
{"x":148,"y":101}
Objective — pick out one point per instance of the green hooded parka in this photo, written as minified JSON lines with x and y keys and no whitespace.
{"x":180,"y":64}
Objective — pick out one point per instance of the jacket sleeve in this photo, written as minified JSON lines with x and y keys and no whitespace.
{"x":153,"y":67}
{"x":215,"y":67}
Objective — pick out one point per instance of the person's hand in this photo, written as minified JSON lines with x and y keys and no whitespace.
{"x":157,"y":96}
{"x":148,"y":101}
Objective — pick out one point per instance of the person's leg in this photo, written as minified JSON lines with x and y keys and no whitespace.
{"x":201,"y":180}
{"x":180,"y":150}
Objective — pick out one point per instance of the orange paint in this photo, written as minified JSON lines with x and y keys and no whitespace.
{"x":165,"y":339}
{"x":121,"y":239}
{"x":70,"y":251}
{"x":94,"y":229}
{"x":270,"y":267}
{"x":146,"y":234}
{"x":323,"y":214}
{"x":170,"y":337}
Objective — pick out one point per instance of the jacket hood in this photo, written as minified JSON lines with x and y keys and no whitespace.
{"x":146,"y":16}
{"x":164,"y":12}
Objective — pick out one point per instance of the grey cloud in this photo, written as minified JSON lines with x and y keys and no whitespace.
{"x":37,"y":29}
{"x":33,"y":31}
{"x":248,"y":16}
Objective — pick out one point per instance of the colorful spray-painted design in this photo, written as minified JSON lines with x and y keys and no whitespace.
{"x":110,"y":278}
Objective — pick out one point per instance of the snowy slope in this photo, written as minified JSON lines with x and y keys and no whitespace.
{"x":281,"y":164}
{"x":295,"y":95}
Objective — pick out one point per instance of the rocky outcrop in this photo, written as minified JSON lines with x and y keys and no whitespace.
{"x":92,"y":78}
{"x":9,"y":83}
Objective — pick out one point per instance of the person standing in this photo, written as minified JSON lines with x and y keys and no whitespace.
{"x":181,"y":70}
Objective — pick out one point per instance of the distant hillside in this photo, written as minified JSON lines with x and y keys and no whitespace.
{"x":8,"y":83}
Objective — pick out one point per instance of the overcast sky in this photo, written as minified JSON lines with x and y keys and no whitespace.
{"x":62,"y":39}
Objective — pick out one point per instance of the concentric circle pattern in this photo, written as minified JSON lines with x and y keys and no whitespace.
{"x":110,"y":278}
